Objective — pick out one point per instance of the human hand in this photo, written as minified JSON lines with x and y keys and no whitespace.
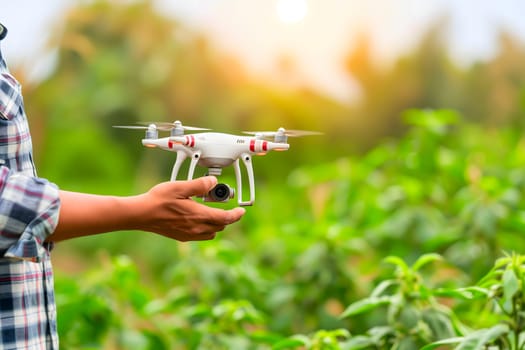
{"x":171,"y":212}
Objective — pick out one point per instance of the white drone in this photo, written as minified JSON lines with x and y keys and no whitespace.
{"x":216,"y":151}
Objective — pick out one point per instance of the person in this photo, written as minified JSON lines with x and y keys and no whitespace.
{"x":35,"y":213}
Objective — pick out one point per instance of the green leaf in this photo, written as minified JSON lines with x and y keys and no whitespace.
{"x":292,"y":342}
{"x":397,"y":261}
{"x":339,"y":333}
{"x":263,"y":336}
{"x":439,"y":323}
{"x":380,"y":332}
{"x":382,"y":287}
{"x":357,"y":343}
{"x":502,"y":262}
{"x":510,"y":284}
{"x":510,"y":288}
{"x":365,"y":305}
{"x":479,"y":339}
{"x":491,"y":278}
{"x":409,"y":316}
{"x":425,"y":259}
{"x":442,"y":342}
{"x":405,"y":343}
{"x":467,"y":293}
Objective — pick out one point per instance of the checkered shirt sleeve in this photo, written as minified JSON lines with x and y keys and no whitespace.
{"x":28,"y":214}
{"x":29,"y":205}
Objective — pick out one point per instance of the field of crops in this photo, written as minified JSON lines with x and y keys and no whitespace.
{"x":414,"y":244}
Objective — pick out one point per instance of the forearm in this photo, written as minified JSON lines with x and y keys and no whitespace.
{"x":87,"y":214}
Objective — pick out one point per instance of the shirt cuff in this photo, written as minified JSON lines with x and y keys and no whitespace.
{"x":29,"y":209}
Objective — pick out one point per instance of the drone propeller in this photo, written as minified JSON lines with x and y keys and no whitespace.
{"x":160,"y":126}
{"x":151,"y":130}
{"x":139,"y":127}
{"x":176,"y":125}
{"x":281,"y":134}
{"x":176,"y":128}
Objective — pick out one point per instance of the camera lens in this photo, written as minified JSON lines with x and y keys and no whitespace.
{"x":221,"y":193}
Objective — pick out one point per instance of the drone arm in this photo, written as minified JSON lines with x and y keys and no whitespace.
{"x":247,"y":160}
{"x":181,"y":157}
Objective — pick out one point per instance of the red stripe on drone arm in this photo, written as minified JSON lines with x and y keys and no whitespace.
{"x":252,"y":145}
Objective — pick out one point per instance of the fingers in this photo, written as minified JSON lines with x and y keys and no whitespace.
{"x":213,"y":220}
{"x":196,"y":187}
{"x":201,"y":237}
{"x":222,"y":217}
{"x":201,"y":232}
{"x":235,"y":215}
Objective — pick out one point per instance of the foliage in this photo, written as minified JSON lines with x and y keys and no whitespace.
{"x":117,"y":310}
{"x":502,"y":292}
{"x":310,"y":266}
{"x":439,"y":205}
{"x":413,"y":315}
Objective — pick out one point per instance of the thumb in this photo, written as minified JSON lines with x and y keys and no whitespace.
{"x":197,"y":187}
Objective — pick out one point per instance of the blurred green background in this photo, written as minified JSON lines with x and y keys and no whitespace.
{"x":428,"y":156}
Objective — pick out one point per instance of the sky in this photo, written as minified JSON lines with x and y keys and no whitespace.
{"x":316,"y":34}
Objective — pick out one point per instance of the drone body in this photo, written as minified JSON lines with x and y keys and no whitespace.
{"x":215,"y":151}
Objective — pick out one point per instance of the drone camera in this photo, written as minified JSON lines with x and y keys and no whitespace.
{"x":220,"y":193}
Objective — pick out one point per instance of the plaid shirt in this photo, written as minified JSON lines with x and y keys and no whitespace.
{"x":28,"y":215}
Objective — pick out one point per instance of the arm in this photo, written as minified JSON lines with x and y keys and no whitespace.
{"x":166,"y":209}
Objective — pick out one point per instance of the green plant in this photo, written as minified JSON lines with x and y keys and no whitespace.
{"x":414,"y":317}
{"x":502,"y":291}
{"x":320,"y":340}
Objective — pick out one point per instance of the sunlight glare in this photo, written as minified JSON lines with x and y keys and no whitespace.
{"x":291,"y":11}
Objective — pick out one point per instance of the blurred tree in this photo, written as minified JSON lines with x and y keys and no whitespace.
{"x":489,"y":92}
{"x":496,"y":88}
{"x":423,"y":78}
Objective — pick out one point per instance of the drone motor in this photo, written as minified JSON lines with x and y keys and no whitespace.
{"x":152,"y":132}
